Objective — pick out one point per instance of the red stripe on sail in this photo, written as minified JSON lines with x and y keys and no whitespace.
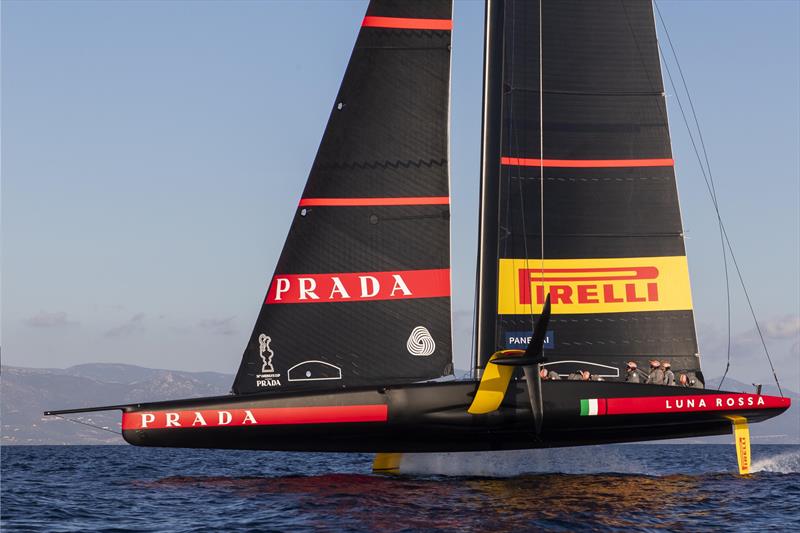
{"x":358,"y":286}
{"x":344,"y":202}
{"x":273,"y":416}
{"x":407,"y":23}
{"x":706,"y":402}
{"x":586,"y":163}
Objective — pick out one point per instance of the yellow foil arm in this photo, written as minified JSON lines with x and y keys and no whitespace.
{"x":492,"y":388}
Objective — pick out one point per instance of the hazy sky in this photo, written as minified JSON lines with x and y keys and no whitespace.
{"x":153,"y":154}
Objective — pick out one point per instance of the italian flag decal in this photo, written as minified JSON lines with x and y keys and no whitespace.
{"x":593,"y":407}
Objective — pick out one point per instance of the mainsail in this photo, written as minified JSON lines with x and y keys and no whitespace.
{"x":361,"y":293}
{"x":580,"y":198}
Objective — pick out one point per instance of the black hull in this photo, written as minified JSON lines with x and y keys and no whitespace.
{"x":432,"y":417}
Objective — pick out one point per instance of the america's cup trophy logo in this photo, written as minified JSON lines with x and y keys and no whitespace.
{"x":268,"y":377}
{"x":263,"y":346}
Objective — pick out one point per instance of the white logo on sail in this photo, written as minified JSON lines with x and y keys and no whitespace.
{"x":263,"y":346}
{"x":268,"y":377}
{"x":420,"y":342}
{"x":313,"y":371}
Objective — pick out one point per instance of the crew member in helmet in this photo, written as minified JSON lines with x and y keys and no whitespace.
{"x":656,"y":376}
{"x":690,"y":381}
{"x":633,"y":373}
{"x":548,"y":375}
{"x":669,"y":375}
{"x":585,"y":375}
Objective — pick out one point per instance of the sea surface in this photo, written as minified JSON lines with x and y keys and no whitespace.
{"x":670,"y":487}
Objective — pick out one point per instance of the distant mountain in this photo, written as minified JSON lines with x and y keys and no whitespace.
{"x":27,"y":392}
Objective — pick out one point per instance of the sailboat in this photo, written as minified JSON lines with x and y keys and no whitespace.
{"x":581,"y":259}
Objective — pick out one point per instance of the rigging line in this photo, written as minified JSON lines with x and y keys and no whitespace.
{"x":88,"y":424}
{"x":728,"y":302}
{"x":541,"y":147}
{"x":513,"y":141}
{"x":473,"y":345}
{"x":712,"y":193}
{"x":713,"y":186}
{"x":514,"y":138}
{"x":723,"y":236}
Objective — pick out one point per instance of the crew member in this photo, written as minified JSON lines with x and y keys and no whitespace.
{"x":683,"y":380}
{"x":585,"y":375}
{"x":669,"y":375}
{"x":632,"y":373}
{"x":548,"y":375}
{"x":656,"y":376}
{"x":575,"y":376}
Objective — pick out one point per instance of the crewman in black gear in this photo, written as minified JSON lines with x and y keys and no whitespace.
{"x":669,"y":375}
{"x":548,"y":375}
{"x":656,"y":376}
{"x":633,"y":373}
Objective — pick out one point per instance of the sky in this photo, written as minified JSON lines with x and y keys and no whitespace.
{"x":153,"y":154}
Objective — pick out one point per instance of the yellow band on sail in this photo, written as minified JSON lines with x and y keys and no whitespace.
{"x":578,"y":286}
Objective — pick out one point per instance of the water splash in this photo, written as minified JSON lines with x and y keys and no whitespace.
{"x":582,"y":460}
{"x":783,"y":463}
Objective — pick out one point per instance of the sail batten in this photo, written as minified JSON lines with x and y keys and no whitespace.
{"x":586,"y":163}
{"x":403,"y":23}
{"x":370,"y":201}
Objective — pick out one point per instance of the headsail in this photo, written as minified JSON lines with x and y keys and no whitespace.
{"x":587,"y":204}
{"x":361,"y":293}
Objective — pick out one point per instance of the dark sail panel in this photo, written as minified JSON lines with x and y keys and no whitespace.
{"x":361,"y":293}
{"x":588,"y":206}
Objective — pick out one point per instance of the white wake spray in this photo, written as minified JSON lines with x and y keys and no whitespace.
{"x":783,"y":463}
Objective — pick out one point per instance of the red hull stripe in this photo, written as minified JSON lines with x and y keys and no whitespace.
{"x":587,"y":163}
{"x":273,"y":416}
{"x":681,"y":404}
{"x":407,"y":24}
{"x":358,"y":286}
{"x":411,"y":200}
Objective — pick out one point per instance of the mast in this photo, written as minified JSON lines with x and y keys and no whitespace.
{"x":486,"y":283}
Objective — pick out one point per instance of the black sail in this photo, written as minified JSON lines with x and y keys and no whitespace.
{"x":361,"y":293}
{"x":587,"y":204}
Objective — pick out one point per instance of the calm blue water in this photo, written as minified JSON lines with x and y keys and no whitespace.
{"x":632,"y":487}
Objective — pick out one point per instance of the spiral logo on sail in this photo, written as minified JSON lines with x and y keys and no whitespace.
{"x":420,"y":342}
